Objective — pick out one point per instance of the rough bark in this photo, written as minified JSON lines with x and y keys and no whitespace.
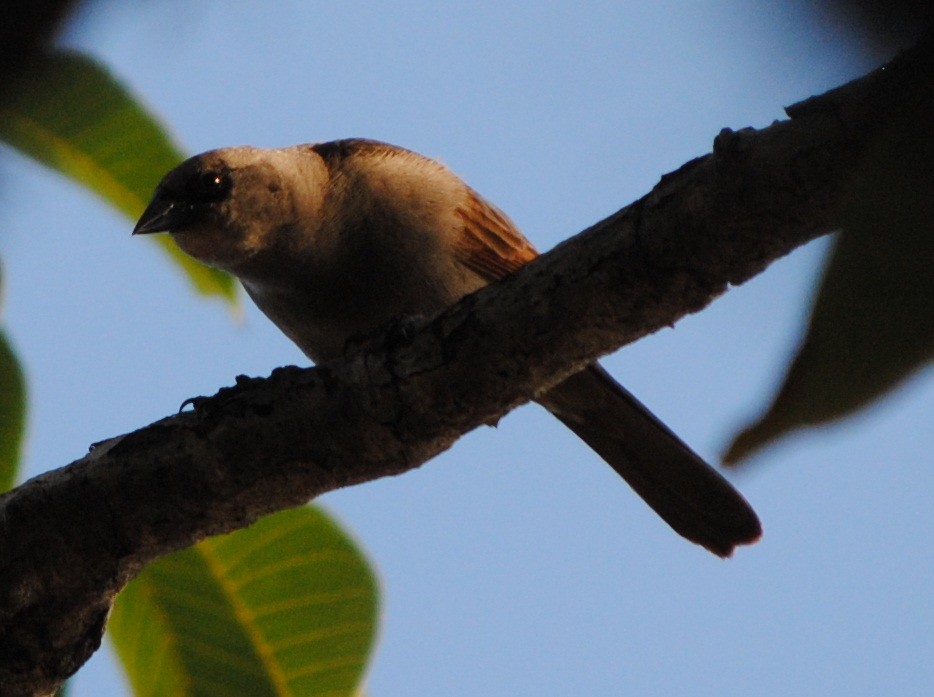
{"x":71,"y":538}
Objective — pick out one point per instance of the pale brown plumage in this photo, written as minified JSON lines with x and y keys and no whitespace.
{"x":334,"y":239}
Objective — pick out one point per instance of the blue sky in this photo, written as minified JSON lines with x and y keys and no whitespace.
{"x":516,"y":563}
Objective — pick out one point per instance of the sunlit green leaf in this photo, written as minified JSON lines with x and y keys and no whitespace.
{"x":12,"y":410}
{"x":872,"y":324}
{"x":285,"y":607}
{"x":71,"y":115}
{"x":12,"y":413}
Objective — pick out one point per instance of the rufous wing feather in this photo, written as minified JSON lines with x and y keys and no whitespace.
{"x":490,"y":244}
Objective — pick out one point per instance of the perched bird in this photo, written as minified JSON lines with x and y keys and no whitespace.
{"x":334,"y":240}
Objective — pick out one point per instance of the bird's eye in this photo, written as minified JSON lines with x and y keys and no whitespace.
{"x":212,"y":185}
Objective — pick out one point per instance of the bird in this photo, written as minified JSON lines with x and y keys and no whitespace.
{"x":334,"y":240}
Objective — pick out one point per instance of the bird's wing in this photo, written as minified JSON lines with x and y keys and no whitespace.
{"x":490,"y":244}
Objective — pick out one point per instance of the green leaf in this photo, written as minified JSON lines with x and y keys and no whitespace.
{"x":872,"y":325}
{"x":70,"y":114}
{"x":285,"y":607}
{"x":12,"y":413}
{"x":12,"y":410}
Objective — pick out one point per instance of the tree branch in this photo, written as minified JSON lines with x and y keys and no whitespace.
{"x":71,"y":538}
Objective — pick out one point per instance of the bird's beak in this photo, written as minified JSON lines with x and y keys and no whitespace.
{"x":163,"y":215}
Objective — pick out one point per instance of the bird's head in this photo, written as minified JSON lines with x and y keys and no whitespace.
{"x":225,"y":207}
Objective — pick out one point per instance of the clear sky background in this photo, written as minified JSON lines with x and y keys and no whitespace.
{"x":516,"y":563}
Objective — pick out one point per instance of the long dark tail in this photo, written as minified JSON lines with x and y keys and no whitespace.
{"x":689,"y":495}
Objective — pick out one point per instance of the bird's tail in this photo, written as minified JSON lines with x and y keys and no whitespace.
{"x":689,"y":495}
